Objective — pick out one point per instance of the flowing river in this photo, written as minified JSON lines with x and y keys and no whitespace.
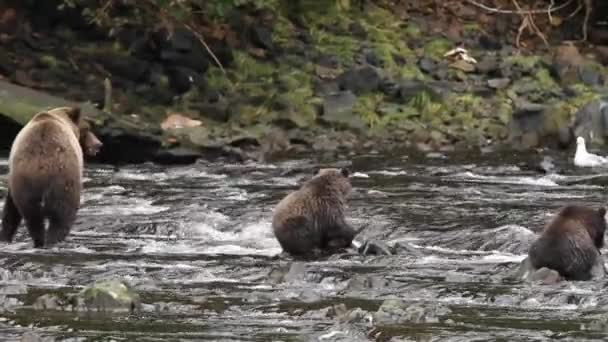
{"x":196,"y":243}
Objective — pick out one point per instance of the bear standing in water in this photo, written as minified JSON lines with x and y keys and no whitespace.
{"x":312,"y":218}
{"x":45,"y":175}
{"x":570,"y":243}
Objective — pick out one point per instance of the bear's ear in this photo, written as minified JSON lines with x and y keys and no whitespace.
{"x":344,"y":172}
{"x":602,"y":211}
{"x":74,"y":114}
{"x":316,"y":170}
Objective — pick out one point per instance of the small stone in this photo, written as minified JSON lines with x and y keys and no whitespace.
{"x":48,"y":302}
{"x":463,"y":65}
{"x":498,"y":83}
{"x":546,"y":276}
{"x":427,"y":64}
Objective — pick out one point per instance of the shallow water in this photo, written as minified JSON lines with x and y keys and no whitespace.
{"x":195,"y":242}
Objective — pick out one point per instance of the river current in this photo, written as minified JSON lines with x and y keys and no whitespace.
{"x":196,"y":243}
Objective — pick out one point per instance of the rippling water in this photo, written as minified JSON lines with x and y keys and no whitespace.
{"x":196,"y":243}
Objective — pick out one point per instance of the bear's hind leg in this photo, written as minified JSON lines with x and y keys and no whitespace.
{"x":59,"y":227}
{"x":35,"y":225}
{"x":60,"y":206}
{"x":11,"y":218}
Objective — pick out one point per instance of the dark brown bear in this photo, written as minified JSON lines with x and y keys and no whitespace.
{"x":570,"y":243}
{"x":45,"y":175}
{"x":311,"y":219}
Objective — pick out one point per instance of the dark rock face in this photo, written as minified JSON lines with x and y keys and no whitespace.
{"x":591,"y":121}
{"x":360,"y":80}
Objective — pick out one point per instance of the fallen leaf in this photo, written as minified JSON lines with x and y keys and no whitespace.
{"x":177,"y":120}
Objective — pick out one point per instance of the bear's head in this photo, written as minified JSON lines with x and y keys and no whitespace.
{"x":593,"y":220}
{"x":73,"y":116}
{"x":333,"y":179}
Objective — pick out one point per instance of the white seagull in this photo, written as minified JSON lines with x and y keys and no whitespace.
{"x":583,"y":158}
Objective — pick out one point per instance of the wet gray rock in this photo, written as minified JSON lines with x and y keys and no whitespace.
{"x":339,"y":333}
{"x":406,"y":248}
{"x":499,"y":83}
{"x":591,"y":122}
{"x":427,"y":65}
{"x":108,"y":295}
{"x":360,"y":80}
{"x":545,"y":276}
{"x":338,"y":109}
{"x":396,"y":311}
{"x":33,"y":337}
{"x":362,"y":282}
{"x":49,"y":302}
{"x":509,"y":239}
{"x":373,"y":247}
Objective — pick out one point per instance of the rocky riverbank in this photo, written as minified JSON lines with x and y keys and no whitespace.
{"x":307,"y":76}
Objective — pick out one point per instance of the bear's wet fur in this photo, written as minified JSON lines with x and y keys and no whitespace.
{"x":45,"y":175}
{"x":570,"y":243}
{"x":311,"y":219}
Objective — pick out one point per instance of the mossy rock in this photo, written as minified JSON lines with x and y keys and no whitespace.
{"x":110,"y":295}
{"x":437,"y":47}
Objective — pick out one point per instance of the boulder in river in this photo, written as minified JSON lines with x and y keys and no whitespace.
{"x":109,"y":295}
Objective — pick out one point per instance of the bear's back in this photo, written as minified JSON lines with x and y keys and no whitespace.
{"x":47,"y":144}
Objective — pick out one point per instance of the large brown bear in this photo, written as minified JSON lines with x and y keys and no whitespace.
{"x":570,"y":243}
{"x":311,"y":219}
{"x":45,"y":175}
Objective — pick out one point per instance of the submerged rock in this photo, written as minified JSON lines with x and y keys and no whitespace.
{"x":397,"y":311}
{"x":109,"y":295}
{"x":49,"y":302}
{"x":32,"y":337}
{"x":372,"y":247}
{"x":546,"y":276}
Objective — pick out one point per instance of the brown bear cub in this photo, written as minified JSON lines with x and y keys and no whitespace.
{"x":570,"y":243}
{"x":311,"y":219}
{"x":45,"y":175}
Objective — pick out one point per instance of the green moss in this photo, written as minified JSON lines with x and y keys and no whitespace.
{"x":343,"y":46}
{"x":410,"y":71}
{"x":413,"y":31}
{"x":249,"y":68}
{"x":504,"y":112}
{"x":525,"y":62}
{"x":436,"y":48}
{"x":216,"y":79}
{"x":49,"y":61}
{"x":282,"y":30}
{"x":544,"y":79}
{"x":470,"y":28}
{"x":556,"y":117}
{"x":366,"y":108}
